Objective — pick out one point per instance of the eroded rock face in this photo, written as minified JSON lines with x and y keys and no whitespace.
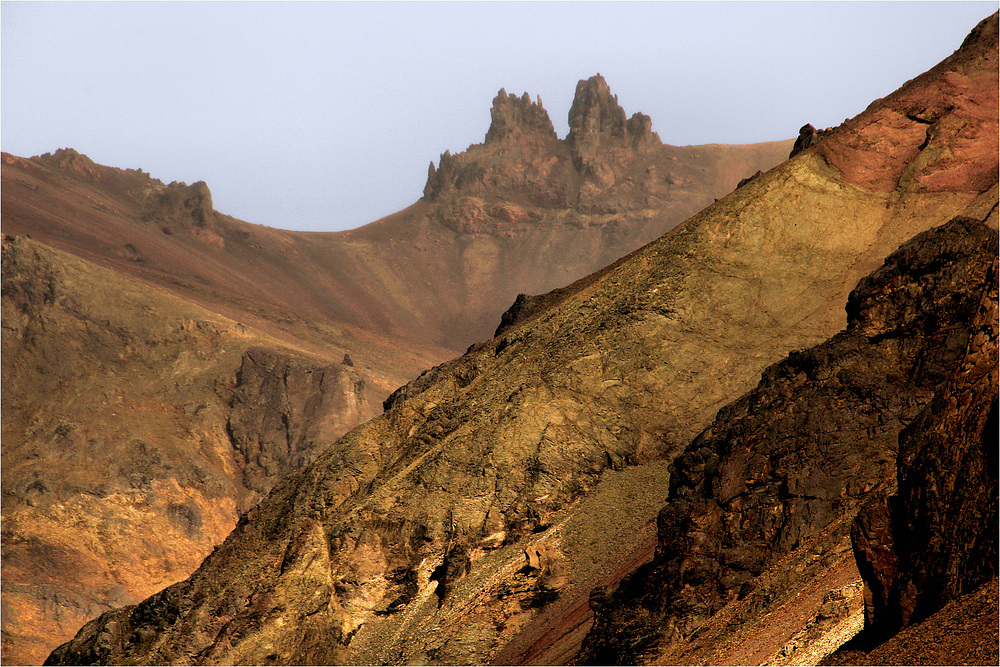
{"x":813,"y":441}
{"x":596,"y":122}
{"x":286,"y":410}
{"x":179,"y":206}
{"x":129,"y":446}
{"x":955,"y":99}
{"x":935,"y":539}
{"x":513,"y":115}
{"x":606,"y":165}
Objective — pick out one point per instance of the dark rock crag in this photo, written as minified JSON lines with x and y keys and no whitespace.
{"x":935,"y":540}
{"x":807,"y":137}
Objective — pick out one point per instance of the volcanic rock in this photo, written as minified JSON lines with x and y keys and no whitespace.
{"x":935,"y":539}
{"x":807,"y":137}
{"x":596,"y":122}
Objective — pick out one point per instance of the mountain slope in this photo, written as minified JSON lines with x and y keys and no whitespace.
{"x":471,"y":521}
{"x":264,"y":346}
{"x":124,"y":461}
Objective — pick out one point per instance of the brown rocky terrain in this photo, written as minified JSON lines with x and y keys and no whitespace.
{"x":739,"y":500}
{"x":165,"y":364}
{"x":471,"y":521}
{"x":125,"y":457}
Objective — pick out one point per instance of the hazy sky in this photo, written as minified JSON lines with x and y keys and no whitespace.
{"x":324,"y":115}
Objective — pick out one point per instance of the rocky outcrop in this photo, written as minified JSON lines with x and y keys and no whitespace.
{"x":935,"y":539}
{"x":606,"y":165}
{"x":513,"y":116}
{"x":600,"y":140}
{"x":749,"y":178}
{"x":597,"y":126}
{"x":807,"y":137}
{"x":520,"y":138}
{"x":596,"y":122}
{"x":286,"y":410}
{"x":813,"y":442}
{"x":182,"y":207}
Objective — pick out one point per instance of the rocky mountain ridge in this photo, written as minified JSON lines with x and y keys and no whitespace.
{"x":502,"y":218}
{"x":470,"y":522}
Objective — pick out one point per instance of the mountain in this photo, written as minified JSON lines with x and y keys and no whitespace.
{"x":471,"y":522}
{"x":514,"y":214}
{"x":164,"y":364}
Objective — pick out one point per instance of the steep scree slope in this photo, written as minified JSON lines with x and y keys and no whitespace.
{"x":470,"y":522}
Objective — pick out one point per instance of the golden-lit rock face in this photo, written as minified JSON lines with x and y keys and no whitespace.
{"x":471,"y":522}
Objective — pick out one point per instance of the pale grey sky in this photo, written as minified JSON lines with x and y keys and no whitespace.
{"x":324,"y":115}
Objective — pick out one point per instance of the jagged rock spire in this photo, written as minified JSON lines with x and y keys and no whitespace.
{"x":512,"y":114}
{"x":597,"y":122}
{"x":595,"y":116}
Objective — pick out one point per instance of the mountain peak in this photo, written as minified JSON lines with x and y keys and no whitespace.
{"x":597,"y":122}
{"x":513,"y":115}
